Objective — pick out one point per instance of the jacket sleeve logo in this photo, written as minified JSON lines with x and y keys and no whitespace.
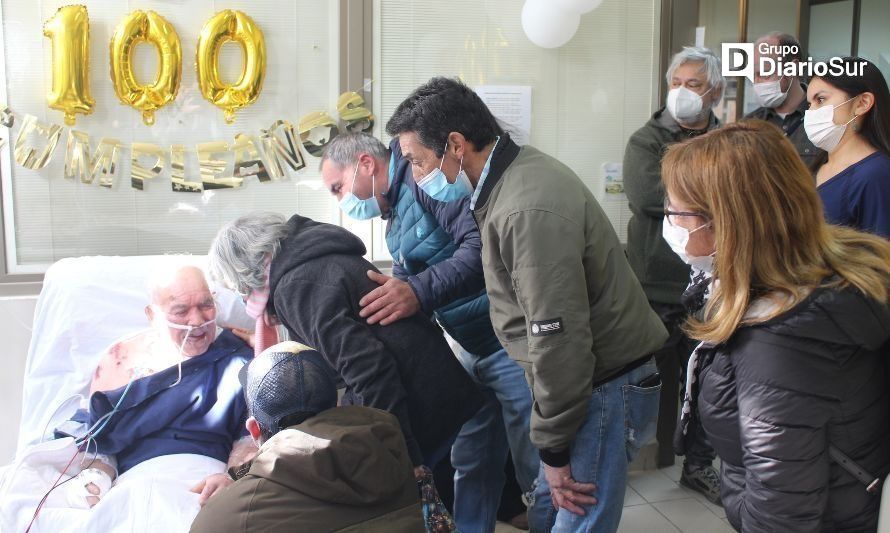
{"x":543,"y":328}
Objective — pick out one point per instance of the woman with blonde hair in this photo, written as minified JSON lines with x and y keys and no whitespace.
{"x":790,"y":376}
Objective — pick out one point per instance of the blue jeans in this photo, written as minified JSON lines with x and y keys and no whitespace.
{"x":480,"y":451}
{"x":621,"y":418}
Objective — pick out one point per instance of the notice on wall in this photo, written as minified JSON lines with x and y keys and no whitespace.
{"x":613,"y":182}
{"x":512,"y":106}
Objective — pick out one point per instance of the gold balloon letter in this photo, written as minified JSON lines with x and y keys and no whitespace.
{"x":281,"y":153}
{"x":142,"y":26}
{"x":247,"y":159}
{"x":352,"y":111}
{"x":316,"y":131}
{"x":28,"y":156}
{"x":230,"y":25}
{"x":213,"y":170}
{"x":79,"y":164}
{"x":7,"y":119}
{"x":178,"y":180}
{"x":69,"y":31}
{"x":139,"y":172}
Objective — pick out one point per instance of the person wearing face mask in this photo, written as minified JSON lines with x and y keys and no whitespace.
{"x":163,"y":399}
{"x":693,"y":72}
{"x":849,"y":118}
{"x":437,"y":271}
{"x":564,"y":302}
{"x":789,"y":379}
{"x":783,"y":99}
{"x":319,"y":467}
{"x":315,"y":278}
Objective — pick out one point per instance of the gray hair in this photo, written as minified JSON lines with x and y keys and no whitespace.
{"x":345,"y":148}
{"x":695,"y":54}
{"x":237,"y":256}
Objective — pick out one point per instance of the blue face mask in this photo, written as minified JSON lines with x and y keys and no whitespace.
{"x":436,"y":185}
{"x":359,"y":209}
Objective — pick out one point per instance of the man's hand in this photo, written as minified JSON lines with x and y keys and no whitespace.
{"x":245,"y":335}
{"x":566,"y":492}
{"x":393,"y":300}
{"x":210,"y":485}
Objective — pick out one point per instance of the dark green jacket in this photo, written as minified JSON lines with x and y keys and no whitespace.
{"x":792,"y":127}
{"x":345,"y":469}
{"x":564,"y":302}
{"x":662,"y":273}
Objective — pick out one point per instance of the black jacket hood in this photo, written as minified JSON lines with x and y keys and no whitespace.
{"x":308,"y":240}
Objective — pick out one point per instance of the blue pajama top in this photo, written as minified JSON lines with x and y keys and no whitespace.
{"x":859,"y":196}
{"x":204,"y":414}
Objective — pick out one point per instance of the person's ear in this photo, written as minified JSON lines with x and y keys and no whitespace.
{"x":150,"y":313}
{"x":458,"y":144}
{"x":366,"y":162}
{"x":253,"y":427}
{"x":864,"y":103}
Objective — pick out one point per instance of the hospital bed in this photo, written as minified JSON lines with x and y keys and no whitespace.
{"x":86,"y":304}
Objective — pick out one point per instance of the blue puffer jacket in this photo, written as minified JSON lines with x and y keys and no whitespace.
{"x":435,"y":247}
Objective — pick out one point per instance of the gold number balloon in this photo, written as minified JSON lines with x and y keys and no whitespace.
{"x":231,"y":25}
{"x":149,"y":27}
{"x":69,"y":31}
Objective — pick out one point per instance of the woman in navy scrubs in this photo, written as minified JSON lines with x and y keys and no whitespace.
{"x":849,"y":118}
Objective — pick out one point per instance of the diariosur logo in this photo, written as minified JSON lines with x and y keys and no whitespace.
{"x":738,"y":60}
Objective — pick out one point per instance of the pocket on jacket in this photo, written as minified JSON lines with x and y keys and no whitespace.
{"x":641,"y":416}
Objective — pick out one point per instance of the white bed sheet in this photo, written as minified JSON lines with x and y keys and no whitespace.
{"x":150,"y":497}
{"x":86,"y":304}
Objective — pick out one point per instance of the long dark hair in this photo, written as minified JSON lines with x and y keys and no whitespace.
{"x":876,"y":123}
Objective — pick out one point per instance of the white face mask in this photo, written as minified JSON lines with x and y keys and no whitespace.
{"x":685,"y":105}
{"x":821,"y":129}
{"x":677,"y":238}
{"x":769,"y":93}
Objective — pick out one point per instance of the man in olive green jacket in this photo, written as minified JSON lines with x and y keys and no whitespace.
{"x":564,"y":301}
{"x":319,"y":467}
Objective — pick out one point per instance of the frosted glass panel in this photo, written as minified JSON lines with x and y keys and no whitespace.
{"x":831,"y":29}
{"x":588,"y":97}
{"x":874,"y":39}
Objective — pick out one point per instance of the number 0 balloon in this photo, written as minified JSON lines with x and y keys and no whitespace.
{"x":231,"y":25}
{"x":146,"y":26}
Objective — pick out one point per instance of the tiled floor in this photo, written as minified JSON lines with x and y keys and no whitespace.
{"x":656,"y":503}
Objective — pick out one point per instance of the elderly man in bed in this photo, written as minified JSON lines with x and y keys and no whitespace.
{"x":184,"y":397}
{"x":156,"y":396}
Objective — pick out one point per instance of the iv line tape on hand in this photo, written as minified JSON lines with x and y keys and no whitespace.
{"x":78,"y":493}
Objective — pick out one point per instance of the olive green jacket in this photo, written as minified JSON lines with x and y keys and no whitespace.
{"x":564,"y":301}
{"x":345,"y":469}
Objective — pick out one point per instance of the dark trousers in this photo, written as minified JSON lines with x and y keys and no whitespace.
{"x":671,"y":360}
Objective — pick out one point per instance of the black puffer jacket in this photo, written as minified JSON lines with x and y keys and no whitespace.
{"x":406,"y":368}
{"x":775,"y":396}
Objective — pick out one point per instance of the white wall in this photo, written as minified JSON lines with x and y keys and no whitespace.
{"x":16,"y":317}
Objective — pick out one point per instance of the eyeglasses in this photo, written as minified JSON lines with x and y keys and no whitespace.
{"x":671,"y":215}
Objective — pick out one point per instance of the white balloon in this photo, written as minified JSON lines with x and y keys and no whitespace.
{"x":578,"y":6}
{"x":546,"y":25}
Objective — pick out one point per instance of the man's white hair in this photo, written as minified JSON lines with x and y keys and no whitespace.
{"x":696,"y":54}
{"x":163,"y":278}
{"x":238,"y":254}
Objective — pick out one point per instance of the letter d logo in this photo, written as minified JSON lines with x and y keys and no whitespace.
{"x":738,"y":60}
